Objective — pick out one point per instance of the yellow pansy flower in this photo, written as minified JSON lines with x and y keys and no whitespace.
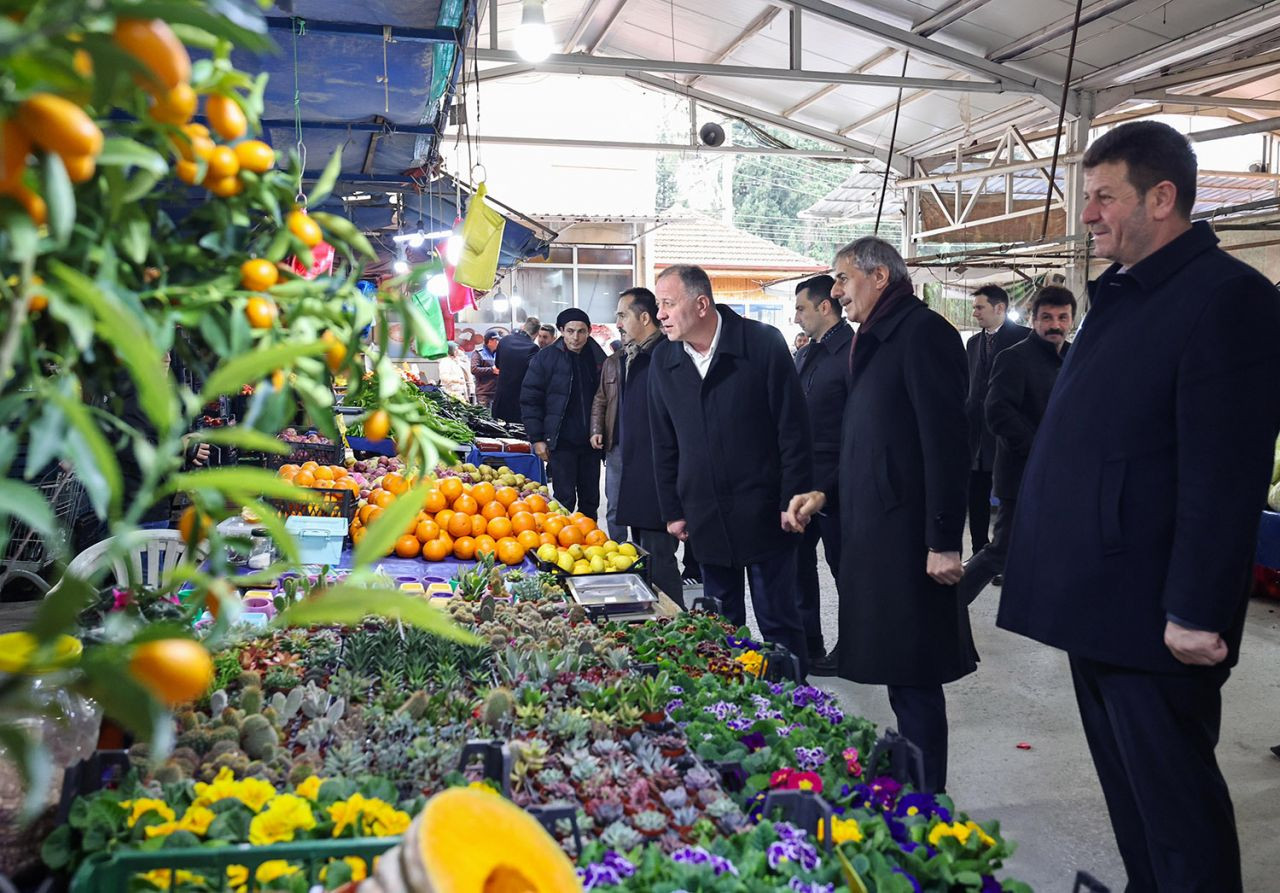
{"x":143,"y":805}
{"x":310,"y":788}
{"x":167,"y":878}
{"x":752,"y":662}
{"x":942,"y":829}
{"x":983,"y":836}
{"x":238,"y":875}
{"x":284,"y":816}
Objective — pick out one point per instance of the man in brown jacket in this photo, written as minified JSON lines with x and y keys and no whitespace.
{"x":604,"y":435}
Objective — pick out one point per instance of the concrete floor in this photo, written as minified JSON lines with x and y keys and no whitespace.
{"x":1047,"y":799}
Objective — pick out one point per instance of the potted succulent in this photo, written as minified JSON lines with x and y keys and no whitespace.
{"x":650,"y":823}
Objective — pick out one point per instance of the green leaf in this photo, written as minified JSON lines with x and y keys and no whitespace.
{"x":20,"y":238}
{"x":244,"y":481}
{"x":347,"y":231}
{"x":253,"y":366}
{"x":139,"y":185}
{"x":851,"y":878}
{"x":58,"y":611}
{"x":350,"y":604}
{"x":123,"y":329}
{"x":24,"y":503}
{"x":117,"y":151}
{"x":381,"y":535}
{"x":92,"y":457}
{"x":323,"y":186}
{"x":56,"y":849}
{"x":135,"y":238}
{"x":59,"y":196}
{"x":35,"y":765}
{"x":77,"y":319}
{"x":244,"y":438}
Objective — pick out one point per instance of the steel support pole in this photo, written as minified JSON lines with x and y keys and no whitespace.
{"x":1077,"y":271}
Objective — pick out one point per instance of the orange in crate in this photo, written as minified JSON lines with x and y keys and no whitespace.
{"x":585,"y":524}
{"x":435,"y":501}
{"x":494,"y":509}
{"x":478,"y":525}
{"x":451,"y":488}
{"x":506,"y":495}
{"x":459,"y":525}
{"x":464,"y":548}
{"x":408,"y":546}
{"x":483,"y":492}
{"x":499,"y":527}
{"x":522,"y":521}
{"x":536,"y":502}
{"x":570,"y":536}
{"x":465,"y":504}
{"x":530,"y":539}
{"x":426,"y":531}
{"x":486,"y":544}
{"x":596,"y":537}
{"x":516,"y":507}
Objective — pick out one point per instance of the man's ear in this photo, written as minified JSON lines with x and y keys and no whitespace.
{"x":1162,"y":200}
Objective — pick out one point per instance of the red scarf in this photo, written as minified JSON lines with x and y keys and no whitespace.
{"x":893,"y":297}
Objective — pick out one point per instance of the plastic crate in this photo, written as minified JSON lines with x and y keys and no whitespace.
{"x":319,"y":539}
{"x":112,"y":873}
{"x":327,"y":504}
{"x":319,"y":453}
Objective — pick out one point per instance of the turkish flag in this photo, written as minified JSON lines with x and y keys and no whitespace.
{"x":322,"y":257}
{"x":460,"y":296}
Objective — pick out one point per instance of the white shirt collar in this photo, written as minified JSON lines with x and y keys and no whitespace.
{"x":702,"y":362}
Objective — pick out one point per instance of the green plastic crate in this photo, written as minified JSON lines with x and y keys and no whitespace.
{"x":111,"y":873}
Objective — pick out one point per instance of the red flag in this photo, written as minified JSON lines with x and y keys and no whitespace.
{"x":322,"y":257}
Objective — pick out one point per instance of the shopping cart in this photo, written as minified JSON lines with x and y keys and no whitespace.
{"x":28,"y":553}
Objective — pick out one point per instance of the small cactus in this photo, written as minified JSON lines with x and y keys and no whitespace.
{"x":416,"y":706}
{"x":249,"y":679}
{"x":251,"y":700}
{"x":497,"y":707}
{"x":217,"y":702}
{"x":258,"y":737}
{"x":170,"y":773}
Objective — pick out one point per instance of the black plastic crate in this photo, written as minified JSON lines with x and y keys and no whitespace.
{"x":640,"y":566}
{"x":319,"y":453}
{"x":328,"y":504}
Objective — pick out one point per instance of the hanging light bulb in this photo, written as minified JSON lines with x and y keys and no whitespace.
{"x":533,"y":36}
{"x":453,"y":249}
{"x":438,"y":285}
{"x":400,"y":267}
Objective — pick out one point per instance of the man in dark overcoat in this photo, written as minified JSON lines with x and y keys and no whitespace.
{"x":903,"y":469}
{"x":1137,"y":520}
{"x":730,"y":449}
{"x":996,"y":332}
{"x":1022,"y":379}
{"x":512,"y":361}
{"x":638,"y":508}
{"x":823,"y":364}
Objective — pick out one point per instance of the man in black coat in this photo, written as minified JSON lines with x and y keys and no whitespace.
{"x":555,"y":406}
{"x":1138,"y":516}
{"x":903,"y":469}
{"x":512,"y":361}
{"x":824,"y":376}
{"x":638,"y":507}
{"x":1022,"y":378}
{"x":731,"y":447}
{"x":995,"y":333}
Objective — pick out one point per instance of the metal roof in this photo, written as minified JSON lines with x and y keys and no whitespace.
{"x":691,"y":238}
{"x":973,"y":67}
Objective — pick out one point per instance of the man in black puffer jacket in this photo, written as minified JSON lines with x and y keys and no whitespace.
{"x":555,"y":406}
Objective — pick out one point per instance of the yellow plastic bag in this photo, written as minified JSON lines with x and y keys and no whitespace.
{"x":481,"y":242}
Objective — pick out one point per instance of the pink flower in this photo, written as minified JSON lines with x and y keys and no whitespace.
{"x":792,"y":780}
{"x":121,"y":599}
{"x":851,"y":761}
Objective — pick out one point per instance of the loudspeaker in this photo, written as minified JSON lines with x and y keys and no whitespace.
{"x":711,"y":134}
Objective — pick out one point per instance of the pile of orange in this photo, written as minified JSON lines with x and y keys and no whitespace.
{"x":319,"y":477}
{"x":467,"y":520}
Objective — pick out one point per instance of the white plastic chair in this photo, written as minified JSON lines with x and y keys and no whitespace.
{"x":150,"y":563}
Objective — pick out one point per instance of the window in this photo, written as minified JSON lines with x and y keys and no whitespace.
{"x":585,"y":276}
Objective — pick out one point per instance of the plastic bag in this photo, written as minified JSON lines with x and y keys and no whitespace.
{"x":481,"y":242}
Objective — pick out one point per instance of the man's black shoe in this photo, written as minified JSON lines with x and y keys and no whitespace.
{"x":823,"y":666}
{"x":997,"y":580}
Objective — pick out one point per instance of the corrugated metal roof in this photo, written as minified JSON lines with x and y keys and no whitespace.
{"x":690,"y":238}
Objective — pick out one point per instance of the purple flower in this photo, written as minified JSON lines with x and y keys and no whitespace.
{"x":805,"y":695}
{"x":784,"y":731}
{"x":696,"y":855}
{"x":722,"y":710}
{"x":754,"y":741}
{"x":799,"y":886}
{"x":795,"y":850}
{"x":735,"y":642}
{"x":915,"y":885}
{"x":925,"y":805}
{"x":831,"y":712}
{"x":788,"y":832}
{"x":676,"y":690}
{"x":619,"y":863}
{"x":881,"y":793}
{"x":989,"y":885}
{"x":776,"y":688}
{"x":813,"y":758}
{"x":598,"y":875}
{"x":674,"y":704}
{"x":739,"y":724}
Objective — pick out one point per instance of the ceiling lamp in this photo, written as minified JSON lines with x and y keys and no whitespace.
{"x":533,"y":36}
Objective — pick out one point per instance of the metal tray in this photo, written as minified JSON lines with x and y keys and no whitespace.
{"x":611,"y":592}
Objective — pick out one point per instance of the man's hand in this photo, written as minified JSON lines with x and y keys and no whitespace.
{"x":678,"y":529}
{"x":597,"y":441}
{"x":1197,"y":647}
{"x":496,"y":370}
{"x":201,"y":456}
{"x":541,"y":451}
{"x":945,"y":567}
{"x":802,"y":508}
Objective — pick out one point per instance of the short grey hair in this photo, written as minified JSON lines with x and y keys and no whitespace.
{"x":870,"y":252}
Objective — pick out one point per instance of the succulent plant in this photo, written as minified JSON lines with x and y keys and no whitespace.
{"x":620,"y":836}
{"x":258,"y":737}
{"x":685,"y":816}
{"x":676,"y":798}
{"x":346,"y":760}
{"x":650,"y":821}
{"x":416,"y":706}
{"x":497,"y":708}
{"x":606,"y":811}
{"x":722,"y":808}
{"x":698,"y":778}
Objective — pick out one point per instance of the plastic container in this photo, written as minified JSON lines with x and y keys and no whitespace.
{"x":260,"y":601}
{"x":319,"y":539}
{"x":113,"y":873}
{"x":440,"y":590}
{"x":414,"y":588}
{"x":319,"y":453}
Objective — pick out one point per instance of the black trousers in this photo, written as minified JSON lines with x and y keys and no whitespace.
{"x":661,"y":547}
{"x":1152,"y":738}
{"x":773,"y":596}
{"x":979,"y":508}
{"x":827,"y":528}
{"x":921,"y":711}
{"x":575,"y":479}
{"x":983,"y":567}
